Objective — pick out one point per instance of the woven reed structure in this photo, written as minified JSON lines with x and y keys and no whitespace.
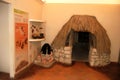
{"x":84,"y":23}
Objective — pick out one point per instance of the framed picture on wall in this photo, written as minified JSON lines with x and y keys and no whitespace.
{"x":21,"y":39}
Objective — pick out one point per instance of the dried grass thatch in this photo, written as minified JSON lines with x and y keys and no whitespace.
{"x":84,"y":23}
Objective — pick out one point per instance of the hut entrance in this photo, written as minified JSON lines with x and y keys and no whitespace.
{"x":81,"y":42}
{"x":81,"y":46}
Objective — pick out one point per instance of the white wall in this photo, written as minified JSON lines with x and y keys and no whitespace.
{"x":85,"y":1}
{"x":33,"y":7}
{"x":4,"y":38}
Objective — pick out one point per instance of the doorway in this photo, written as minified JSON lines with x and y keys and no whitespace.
{"x":81,"y":46}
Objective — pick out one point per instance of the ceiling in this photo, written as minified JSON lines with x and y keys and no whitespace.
{"x":84,"y":1}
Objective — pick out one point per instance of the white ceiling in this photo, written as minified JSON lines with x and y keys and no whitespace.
{"x":85,"y":1}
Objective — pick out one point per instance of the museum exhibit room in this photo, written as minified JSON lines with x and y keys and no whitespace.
{"x":59,"y":40}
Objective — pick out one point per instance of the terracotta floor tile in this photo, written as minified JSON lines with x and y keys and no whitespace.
{"x":77,"y":71}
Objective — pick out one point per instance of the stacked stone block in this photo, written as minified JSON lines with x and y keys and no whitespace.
{"x":63,"y":55}
{"x":96,"y":59}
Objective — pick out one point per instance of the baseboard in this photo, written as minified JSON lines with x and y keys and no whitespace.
{"x":18,"y":75}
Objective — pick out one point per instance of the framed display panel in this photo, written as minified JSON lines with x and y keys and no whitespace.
{"x":21,"y":39}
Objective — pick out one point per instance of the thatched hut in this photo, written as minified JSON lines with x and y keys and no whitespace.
{"x":83,"y":23}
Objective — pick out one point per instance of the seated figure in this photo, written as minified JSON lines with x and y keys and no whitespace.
{"x":46,"y":54}
{"x":46,"y":58}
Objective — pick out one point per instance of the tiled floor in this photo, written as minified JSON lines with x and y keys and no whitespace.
{"x":78,"y":71}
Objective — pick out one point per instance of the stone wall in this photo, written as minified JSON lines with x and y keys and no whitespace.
{"x":96,"y":59}
{"x":63,"y":55}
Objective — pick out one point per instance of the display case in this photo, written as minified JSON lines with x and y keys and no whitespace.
{"x":36,"y":30}
{"x":36,"y":35}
